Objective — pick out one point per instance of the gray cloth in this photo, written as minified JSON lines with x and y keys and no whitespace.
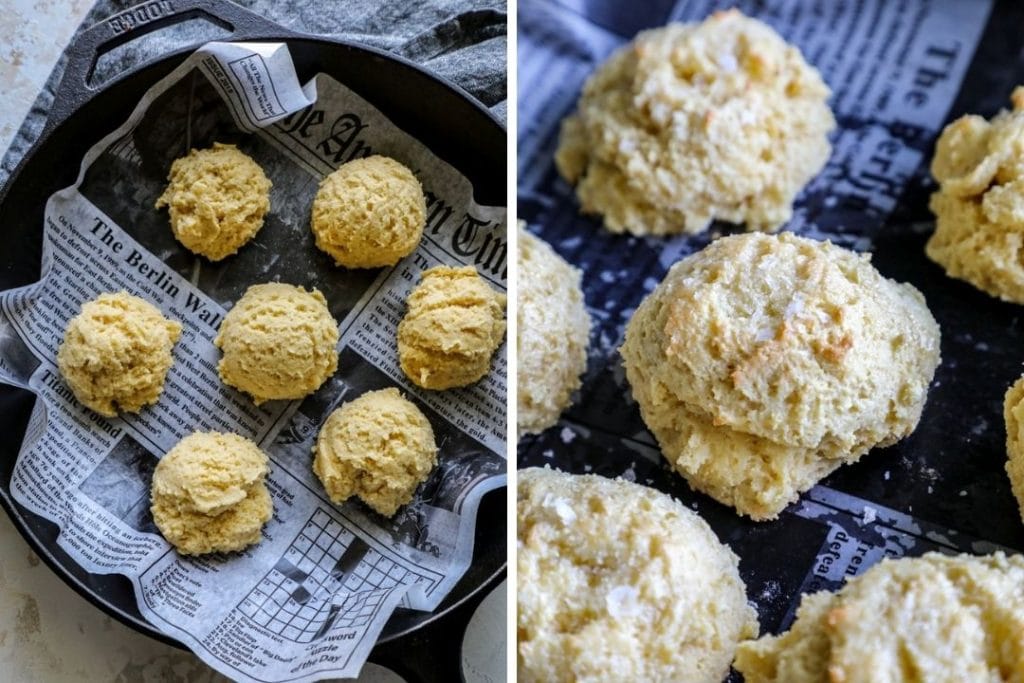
{"x":463,"y":41}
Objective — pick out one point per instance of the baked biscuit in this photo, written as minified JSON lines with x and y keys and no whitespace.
{"x":934,"y":618}
{"x":379,"y":448}
{"x":695,"y":122}
{"x":619,"y":582}
{"x":553,"y":332}
{"x":369,"y":213}
{"x":764,"y":362}
{"x":209,"y":493}
{"x":979,"y":207}
{"x":1013,"y":414}
{"x":217,"y":199}
{"x":278,"y":342}
{"x":453,"y":324}
{"x":116,"y":353}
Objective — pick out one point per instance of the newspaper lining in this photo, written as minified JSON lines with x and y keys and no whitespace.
{"x":895,"y":70}
{"x":310,"y":600}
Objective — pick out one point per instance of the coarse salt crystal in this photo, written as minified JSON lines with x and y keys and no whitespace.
{"x":622,"y":602}
{"x":561,"y":507}
{"x":795,"y":307}
{"x":870,"y":514}
{"x":764,"y":334}
{"x":727,"y":62}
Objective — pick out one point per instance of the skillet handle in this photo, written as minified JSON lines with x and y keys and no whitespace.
{"x":136,"y":21}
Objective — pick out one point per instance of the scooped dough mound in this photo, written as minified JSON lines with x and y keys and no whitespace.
{"x":1013,"y":414}
{"x":454,"y":324}
{"x":552,"y":337}
{"x":693,"y":122}
{"x":116,"y":353}
{"x":278,"y":342}
{"x":934,"y":618}
{"x":764,"y":362}
{"x":619,"y":582}
{"x":369,"y":213}
{"x":979,"y":207}
{"x":379,"y":447}
{"x":209,"y":493}
{"x":217,"y":198}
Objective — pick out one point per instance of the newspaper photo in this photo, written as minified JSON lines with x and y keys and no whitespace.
{"x":310,"y":599}
{"x":899,"y":72}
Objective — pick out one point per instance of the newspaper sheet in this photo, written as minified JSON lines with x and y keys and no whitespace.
{"x":310,"y":600}
{"x":899,"y":72}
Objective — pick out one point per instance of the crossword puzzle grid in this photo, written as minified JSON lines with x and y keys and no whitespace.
{"x":295,"y":598}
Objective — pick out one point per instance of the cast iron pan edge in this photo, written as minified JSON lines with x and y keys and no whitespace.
{"x":75,"y":93}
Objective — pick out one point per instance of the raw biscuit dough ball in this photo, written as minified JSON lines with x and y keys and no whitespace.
{"x":764,"y":362}
{"x":1013,"y":414}
{"x":454,"y":324}
{"x":379,"y":448}
{"x":934,"y":618}
{"x":979,"y":207}
{"x":278,"y":342}
{"x":369,"y":213}
{"x":553,"y":331}
{"x":209,"y":493}
{"x":116,"y":353}
{"x":217,"y":198}
{"x":619,"y":582}
{"x":693,"y":122}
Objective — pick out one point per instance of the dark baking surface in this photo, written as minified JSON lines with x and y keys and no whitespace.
{"x":390,"y":85}
{"x":948,"y":475}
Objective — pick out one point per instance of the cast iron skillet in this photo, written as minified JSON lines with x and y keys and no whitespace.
{"x":445,"y":118}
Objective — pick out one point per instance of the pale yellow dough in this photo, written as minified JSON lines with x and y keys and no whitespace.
{"x":453,"y":324}
{"x":935,"y":618}
{"x":217,"y":199}
{"x":278,"y":342}
{"x":979,"y":207}
{"x":116,"y":353}
{"x":553,"y":332}
{"x":1013,"y":414}
{"x":379,"y":448}
{"x":209,"y":493}
{"x":619,"y":582}
{"x":369,"y":213}
{"x":693,"y":122}
{"x":764,"y":362}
